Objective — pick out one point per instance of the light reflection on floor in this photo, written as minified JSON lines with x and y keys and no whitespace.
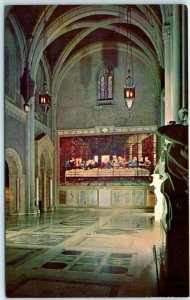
{"x":82,"y":254}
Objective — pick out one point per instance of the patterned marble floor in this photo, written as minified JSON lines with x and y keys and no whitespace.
{"x":82,"y":254}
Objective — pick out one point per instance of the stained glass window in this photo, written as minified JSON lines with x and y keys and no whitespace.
{"x":105,"y":88}
{"x":110,"y":87}
{"x":102,"y":87}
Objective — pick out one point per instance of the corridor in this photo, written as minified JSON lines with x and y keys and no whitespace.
{"x":81,"y":253}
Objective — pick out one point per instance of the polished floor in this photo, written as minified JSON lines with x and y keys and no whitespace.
{"x":102,"y":253}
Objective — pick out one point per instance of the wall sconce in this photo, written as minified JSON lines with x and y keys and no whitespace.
{"x":26,"y":107}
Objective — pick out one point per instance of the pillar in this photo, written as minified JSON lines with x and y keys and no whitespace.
{"x":37,"y":194}
{"x":28,"y":165}
{"x":56,"y":156}
{"x":176,"y":64}
{"x":184,"y":46}
{"x":30,"y":159}
{"x":22,"y":197}
{"x":166,"y":32}
{"x":45,"y":190}
{"x":50,"y":208}
{"x":17,"y":194}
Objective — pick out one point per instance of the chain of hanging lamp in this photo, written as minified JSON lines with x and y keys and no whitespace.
{"x":129,"y":47}
{"x":44,"y":96}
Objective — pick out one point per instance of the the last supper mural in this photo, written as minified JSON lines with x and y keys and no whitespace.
{"x":108,"y":156}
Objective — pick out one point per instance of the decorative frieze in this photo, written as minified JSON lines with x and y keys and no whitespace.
{"x":106,"y":130}
{"x":18,"y":114}
{"x":41,"y":128}
{"x":14,"y":112}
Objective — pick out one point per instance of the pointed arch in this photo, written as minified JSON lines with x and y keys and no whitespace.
{"x":15,"y":197}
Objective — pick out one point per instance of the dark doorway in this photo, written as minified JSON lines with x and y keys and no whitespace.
{"x":6,"y":175}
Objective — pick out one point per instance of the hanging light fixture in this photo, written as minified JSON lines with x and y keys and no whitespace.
{"x":26,"y":87}
{"x":44,"y":96}
{"x":129,"y":86}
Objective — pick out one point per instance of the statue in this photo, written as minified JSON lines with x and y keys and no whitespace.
{"x":183,"y":116}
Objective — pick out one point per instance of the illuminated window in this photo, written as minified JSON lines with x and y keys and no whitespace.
{"x":105,"y":88}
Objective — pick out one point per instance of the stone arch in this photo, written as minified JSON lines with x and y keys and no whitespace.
{"x":44,"y":173}
{"x":16,"y":187}
{"x":10,"y":70}
{"x":14,"y":58}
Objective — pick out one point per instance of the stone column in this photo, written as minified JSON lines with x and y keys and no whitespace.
{"x":32,"y":157}
{"x":176,"y":63}
{"x":166,"y":31}
{"x":37,"y":194}
{"x":27,"y":91}
{"x":55,"y":155}
{"x":184,"y":51}
{"x":45,"y":190}
{"x":50,"y":208}
{"x":28,"y":164}
{"x":162,"y":108}
{"x":17,"y":194}
{"x":22,"y":197}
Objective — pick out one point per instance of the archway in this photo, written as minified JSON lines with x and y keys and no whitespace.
{"x":44,"y":173}
{"x":14,"y":182}
{"x":6,"y":175}
{"x":45,"y":183}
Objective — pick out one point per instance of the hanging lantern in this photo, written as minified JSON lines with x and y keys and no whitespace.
{"x":129,"y":86}
{"x":26,"y":87}
{"x":129,"y":91}
{"x":44,"y":98}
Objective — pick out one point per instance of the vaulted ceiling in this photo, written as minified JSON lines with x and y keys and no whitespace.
{"x":61,"y":34}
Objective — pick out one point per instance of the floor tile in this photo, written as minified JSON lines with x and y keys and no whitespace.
{"x":82,"y":254}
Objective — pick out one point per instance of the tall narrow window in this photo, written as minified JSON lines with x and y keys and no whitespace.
{"x":105,"y":88}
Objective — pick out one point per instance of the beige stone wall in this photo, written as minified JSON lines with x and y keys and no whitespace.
{"x":78,"y":95}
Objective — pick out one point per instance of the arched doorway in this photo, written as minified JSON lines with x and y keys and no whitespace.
{"x":14,"y":183}
{"x":45,"y":184}
{"x":44,"y":173}
{"x":6,"y":175}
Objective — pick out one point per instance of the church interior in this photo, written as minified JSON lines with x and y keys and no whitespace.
{"x":96,"y":150}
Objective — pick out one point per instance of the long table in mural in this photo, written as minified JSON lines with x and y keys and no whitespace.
{"x":97,"y":172}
